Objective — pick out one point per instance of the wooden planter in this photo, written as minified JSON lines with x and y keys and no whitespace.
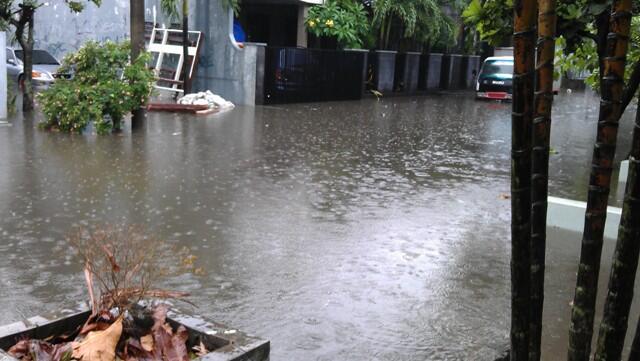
{"x":226,"y":344}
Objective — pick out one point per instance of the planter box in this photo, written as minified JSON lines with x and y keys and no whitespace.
{"x":225,"y":344}
{"x":450,"y":75}
{"x":407,"y":72}
{"x":384,"y":65}
{"x":433,"y":70}
{"x":470,"y":70}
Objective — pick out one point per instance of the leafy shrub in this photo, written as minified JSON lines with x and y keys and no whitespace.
{"x":105,"y":87}
{"x":346,"y":20}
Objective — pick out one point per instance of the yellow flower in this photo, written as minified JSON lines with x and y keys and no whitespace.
{"x":329,"y":23}
{"x":312,"y":23}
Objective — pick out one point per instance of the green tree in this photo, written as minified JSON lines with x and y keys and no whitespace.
{"x":345,"y":20}
{"x":582,"y":28}
{"x":19,"y":16}
{"x":106,"y":86}
{"x":420,"y":21}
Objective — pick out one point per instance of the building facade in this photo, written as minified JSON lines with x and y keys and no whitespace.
{"x":225,"y":67}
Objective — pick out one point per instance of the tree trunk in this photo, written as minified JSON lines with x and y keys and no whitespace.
{"x":634,"y":355}
{"x":137,"y":47}
{"x":631,"y":88}
{"x":582,"y":313}
{"x":524,"y":40}
{"x":26,"y":43}
{"x":540,"y":167}
{"x":613,"y":328}
{"x":185,"y":47}
{"x":388,"y":32}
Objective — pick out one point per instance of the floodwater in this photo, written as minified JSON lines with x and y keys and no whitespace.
{"x":371,"y":230}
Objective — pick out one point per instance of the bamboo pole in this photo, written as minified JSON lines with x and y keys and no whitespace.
{"x":543,"y":101}
{"x":582,"y":312}
{"x":634,"y":355}
{"x":524,"y":38}
{"x":613,"y":328}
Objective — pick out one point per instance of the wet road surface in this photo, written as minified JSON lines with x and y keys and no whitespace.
{"x":372,"y":230}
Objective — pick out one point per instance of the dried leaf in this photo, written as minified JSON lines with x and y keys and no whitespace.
{"x":43,"y":351}
{"x":147,"y":342}
{"x":179,"y":350}
{"x":201,"y":349}
{"x":98,"y":322}
{"x":99,"y":345}
{"x":168,"y":346}
{"x":20,"y":349}
{"x":133,"y":351}
{"x":40,"y":350}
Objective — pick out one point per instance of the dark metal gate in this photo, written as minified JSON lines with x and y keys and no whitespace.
{"x":312,"y":75}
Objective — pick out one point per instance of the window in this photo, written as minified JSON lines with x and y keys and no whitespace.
{"x":497,"y":67}
{"x":40,"y":57}
{"x":10,"y":56}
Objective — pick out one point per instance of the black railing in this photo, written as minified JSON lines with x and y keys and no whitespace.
{"x":312,"y":75}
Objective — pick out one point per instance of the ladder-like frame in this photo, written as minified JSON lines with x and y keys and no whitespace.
{"x":163,"y":47}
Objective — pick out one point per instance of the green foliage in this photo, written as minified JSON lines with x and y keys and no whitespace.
{"x":170,"y":9}
{"x":346,"y":20}
{"x":78,"y":6}
{"x":493,"y":19}
{"x":583,"y":57}
{"x":104,"y":87}
{"x":232,"y":4}
{"x":576,"y":30}
{"x":420,"y":20}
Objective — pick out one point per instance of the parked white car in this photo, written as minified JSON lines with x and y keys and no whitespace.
{"x":45,"y":68}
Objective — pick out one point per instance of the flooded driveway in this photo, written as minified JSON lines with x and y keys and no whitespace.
{"x":371,"y":230}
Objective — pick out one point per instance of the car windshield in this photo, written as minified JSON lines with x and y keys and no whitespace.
{"x":40,"y":57}
{"x":497,"y":67}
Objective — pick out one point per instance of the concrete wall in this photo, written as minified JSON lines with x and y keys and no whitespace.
{"x":60,"y":31}
{"x":223,"y":68}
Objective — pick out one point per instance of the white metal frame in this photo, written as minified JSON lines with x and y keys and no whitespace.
{"x":163,"y":48}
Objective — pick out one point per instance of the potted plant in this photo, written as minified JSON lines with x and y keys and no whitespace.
{"x":125,"y":320}
{"x":404,"y":27}
{"x":104,"y":87}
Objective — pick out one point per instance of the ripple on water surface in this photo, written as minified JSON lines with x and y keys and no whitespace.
{"x":341,"y":231}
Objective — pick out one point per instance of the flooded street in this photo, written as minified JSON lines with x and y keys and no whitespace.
{"x":371,"y":230}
